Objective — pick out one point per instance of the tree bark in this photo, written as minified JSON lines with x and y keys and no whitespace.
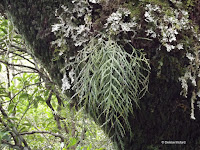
{"x":163,"y":116}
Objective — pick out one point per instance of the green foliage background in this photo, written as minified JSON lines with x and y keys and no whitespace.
{"x":24,"y":108}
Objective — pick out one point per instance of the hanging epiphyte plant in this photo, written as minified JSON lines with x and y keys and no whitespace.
{"x":110,"y":79}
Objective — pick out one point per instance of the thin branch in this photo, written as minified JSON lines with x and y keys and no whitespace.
{"x":21,"y":72}
{"x":17,"y":65}
{"x":65,"y":127}
{"x":43,"y":76}
{"x":56,"y":116}
{"x":14,"y":130}
{"x":83,"y":130}
{"x":34,"y":124}
{"x":11,"y":145}
{"x":44,"y":132}
{"x":48,"y":101}
{"x":3,"y":112}
{"x":28,"y":107}
{"x":18,"y":55}
{"x":20,"y":49}
{"x":21,"y":91}
{"x":8,"y":79}
{"x":8,"y":129}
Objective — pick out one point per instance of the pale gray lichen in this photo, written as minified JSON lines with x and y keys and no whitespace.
{"x":67,"y":80}
{"x":151,"y":33}
{"x":192,"y":72}
{"x":67,"y":28}
{"x":116,"y":21}
{"x":71,"y":75}
{"x":94,"y":1}
{"x":169,"y":24}
{"x":65,"y":83}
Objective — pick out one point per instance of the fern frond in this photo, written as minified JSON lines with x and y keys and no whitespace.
{"x":110,"y":79}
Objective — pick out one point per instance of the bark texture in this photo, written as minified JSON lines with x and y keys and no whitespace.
{"x":164,"y":114}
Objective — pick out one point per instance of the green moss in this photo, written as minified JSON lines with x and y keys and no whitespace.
{"x":137,"y":8}
{"x":134,"y":9}
{"x":189,"y":3}
{"x":162,"y":3}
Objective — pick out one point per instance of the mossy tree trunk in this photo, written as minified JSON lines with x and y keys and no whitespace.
{"x":164,"y":115}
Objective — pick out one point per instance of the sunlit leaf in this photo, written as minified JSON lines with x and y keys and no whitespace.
{"x":10,"y":107}
{"x":24,"y":96}
{"x":12,"y":118}
{"x":18,"y":36}
{"x":3,"y":134}
{"x":4,"y":30}
{"x":72,"y":141}
{"x":35,"y":104}
{"x":39,"y":98}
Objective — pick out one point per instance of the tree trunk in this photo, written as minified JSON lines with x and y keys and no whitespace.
{"x":164,"y":115}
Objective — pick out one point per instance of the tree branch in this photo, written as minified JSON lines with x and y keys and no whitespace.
{"x":11,"y":145}
{"x":17,"y":65}
{"x":21,"y":49}
{"x":18,"y":55}
{"x":44,"y":132}
{"x":48,"y":101}
{"x":14,"y":130}
{"x":56,"y":116}
{"x":42,"y":74}
{"x":8,"y":129}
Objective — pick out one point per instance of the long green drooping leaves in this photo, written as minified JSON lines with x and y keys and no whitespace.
{"x":110,"y":79}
